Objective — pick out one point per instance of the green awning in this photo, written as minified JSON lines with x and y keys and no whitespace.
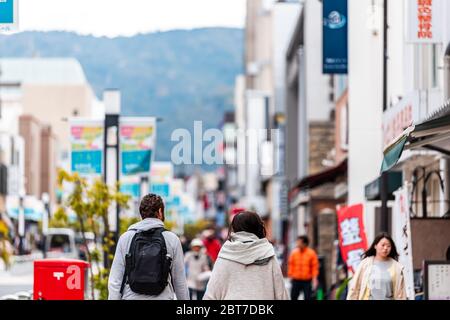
{"x":393,"y":153}
{"x":433,"y":134}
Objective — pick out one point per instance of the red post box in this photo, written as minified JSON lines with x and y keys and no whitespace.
{"x":60,"y":279}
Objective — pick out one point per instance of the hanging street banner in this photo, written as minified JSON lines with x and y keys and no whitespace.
{"x":425,"y":21}
{"x":402,"y":237}
{"x":335,"y":37}
{"x":161,"y":189}
{"x":137,"y":145}
{"x":161,"y":179}
{"x":352,"y":235}
{"x":86,"y":146}
{"x":131,"y":189}
{"x":9,"y":15}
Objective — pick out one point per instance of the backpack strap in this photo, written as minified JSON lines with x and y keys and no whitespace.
{"x":127,"y":267}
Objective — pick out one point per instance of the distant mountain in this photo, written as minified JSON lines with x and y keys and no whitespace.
{"x":180,"y":76}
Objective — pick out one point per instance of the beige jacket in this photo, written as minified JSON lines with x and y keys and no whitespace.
{"x":359,"y":288}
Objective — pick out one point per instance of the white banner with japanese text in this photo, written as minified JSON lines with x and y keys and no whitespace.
{"x":424,"y":21}
{"x":401,"y":234}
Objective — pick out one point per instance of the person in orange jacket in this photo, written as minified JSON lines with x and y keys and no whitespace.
{"x":303,"y":269}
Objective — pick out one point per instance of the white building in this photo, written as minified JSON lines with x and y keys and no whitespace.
{"x":53,"y":90}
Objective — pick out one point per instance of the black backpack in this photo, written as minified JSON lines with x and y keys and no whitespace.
{"x":147,"y":264}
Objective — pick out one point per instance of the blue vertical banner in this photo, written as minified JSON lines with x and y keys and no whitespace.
{"x":131,"y":189}
{"x":161,"y":189}
{"x":137,"y":142}
{"x":86,"y":137}
{"x":335,"y":37}
{"x":6,"y":11}
{"x":9,"y":15}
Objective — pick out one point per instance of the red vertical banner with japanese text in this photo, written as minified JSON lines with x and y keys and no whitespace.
{"x":352,"y":235}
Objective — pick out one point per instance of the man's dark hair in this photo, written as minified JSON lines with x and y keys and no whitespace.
{"x":304,"y":239}
{"x":150,"y":205}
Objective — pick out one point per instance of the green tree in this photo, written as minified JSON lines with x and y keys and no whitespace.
{"x":90,"y":202}
{"x":191,"y":230}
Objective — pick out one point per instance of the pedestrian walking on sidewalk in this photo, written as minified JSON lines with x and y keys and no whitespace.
{"x":378,"y":276}
{"x":197,"y":269}
{"x":211,"y":243}
{"x":148,"y":263}
{"x":246,"y":268}
{"x":303,"y":269}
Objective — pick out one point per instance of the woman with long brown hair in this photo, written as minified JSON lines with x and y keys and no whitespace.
{"x":246,"y":268}
{"x":379,"y":275}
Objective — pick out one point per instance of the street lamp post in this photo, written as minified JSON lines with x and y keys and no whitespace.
{"x":111,"y":98}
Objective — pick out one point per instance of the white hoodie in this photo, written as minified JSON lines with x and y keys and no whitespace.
{"x":246,"y":269}
{"x":177,"y":283}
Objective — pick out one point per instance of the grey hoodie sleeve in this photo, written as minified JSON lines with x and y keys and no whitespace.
{"x":178,"y":273}
{"x":117,"y":271}
{"x":280,"y":292}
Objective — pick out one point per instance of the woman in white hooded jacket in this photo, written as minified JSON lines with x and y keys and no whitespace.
{"x":246,"y":268}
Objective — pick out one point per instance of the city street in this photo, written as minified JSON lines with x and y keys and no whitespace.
{"x":294,"y":144}
{"x":18,"y":278}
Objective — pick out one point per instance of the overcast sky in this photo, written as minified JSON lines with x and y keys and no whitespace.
{"x":128,"y":17}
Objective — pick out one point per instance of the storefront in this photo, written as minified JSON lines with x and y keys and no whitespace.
{"x":422,"y":154}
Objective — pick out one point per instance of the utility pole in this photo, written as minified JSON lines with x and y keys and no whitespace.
{"x":384,"y":176}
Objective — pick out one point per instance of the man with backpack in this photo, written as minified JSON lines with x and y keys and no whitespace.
{"x":148,"y":263}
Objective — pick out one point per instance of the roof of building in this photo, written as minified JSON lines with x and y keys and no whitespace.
{"x":44,"y":71}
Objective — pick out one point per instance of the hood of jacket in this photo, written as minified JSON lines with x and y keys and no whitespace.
{"x":147,"y":224}
{"x":246,"y":248}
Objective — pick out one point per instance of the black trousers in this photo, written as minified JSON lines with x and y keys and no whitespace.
{"x":198,"y":294}
{"x":301,"y":286}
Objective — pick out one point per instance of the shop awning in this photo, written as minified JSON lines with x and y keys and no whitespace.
{"x":316,"y":180}
{"x":372,"y":191}
{"x":432,"y":134}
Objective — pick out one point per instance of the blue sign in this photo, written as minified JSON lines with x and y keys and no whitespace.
{"x":161,"y":189}
{"x":87,"y":162}
{"x":335,"y":37}
{"x":173,"y":202}
{"x":29,"y":213}
{"x":132,"y":189}
{"x":135,"y":162}
{"x":6,"y":11}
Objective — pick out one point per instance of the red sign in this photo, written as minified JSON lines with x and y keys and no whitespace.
{"x":352,"y":236}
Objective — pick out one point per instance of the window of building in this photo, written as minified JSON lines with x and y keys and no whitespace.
{"x":428,"y":61}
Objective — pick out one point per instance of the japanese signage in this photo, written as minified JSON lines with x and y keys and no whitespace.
{"x":352,"y":236}
{"x":400,"y":117}
{"x":335,"y":49}
{"x":87,"y":147}
{"x":437,"y":280}
{"x":9,"y":15}
{"x":425,"y":21}
{"x":137,"y":144}
{"x":402,"y":238}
